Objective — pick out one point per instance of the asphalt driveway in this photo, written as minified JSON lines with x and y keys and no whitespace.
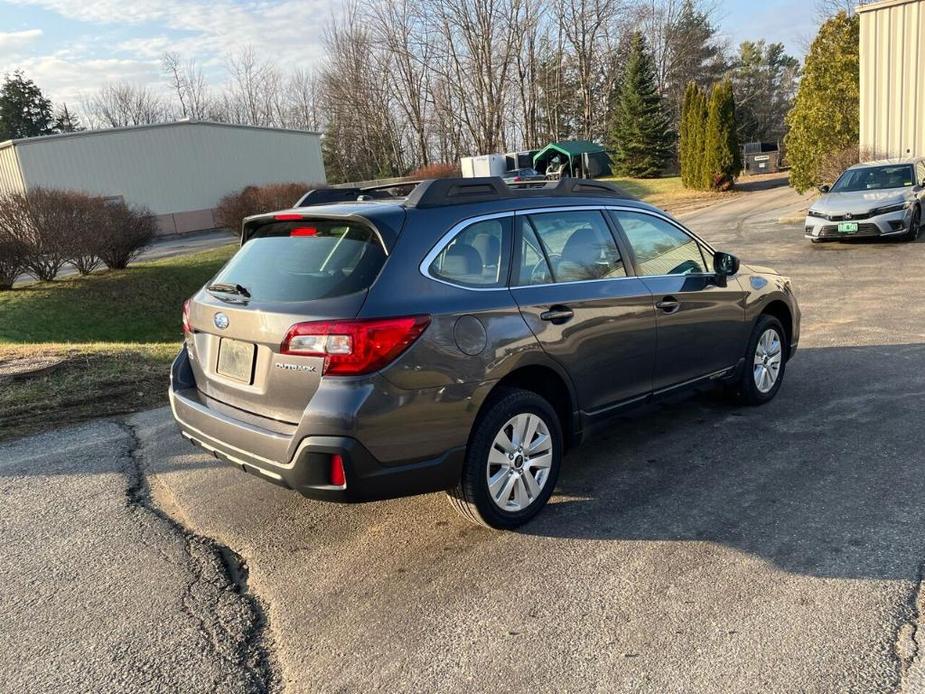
{"x":695,"y":547}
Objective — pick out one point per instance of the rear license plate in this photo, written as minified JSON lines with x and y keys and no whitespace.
{"x":848,"y":227}
{"x":236,"y":360}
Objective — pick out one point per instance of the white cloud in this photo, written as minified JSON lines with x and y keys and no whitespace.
{"x":11,"y":40}
{"x":286,"y":32}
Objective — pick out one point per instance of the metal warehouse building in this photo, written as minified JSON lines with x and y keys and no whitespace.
{"x":892,"y":78}
{"x":179,"y":170}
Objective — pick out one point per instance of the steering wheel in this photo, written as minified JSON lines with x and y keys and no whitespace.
{"x":541,"y":268}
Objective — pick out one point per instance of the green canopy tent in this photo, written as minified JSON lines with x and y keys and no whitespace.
{"x":578,"y":158}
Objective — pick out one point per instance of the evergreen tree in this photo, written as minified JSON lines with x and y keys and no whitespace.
{"x":693,"y":125}
{"x":765,"y":80}
{"x":825,"y":119}
{"x":722,"y":159}
{"x":66,"y":121}
{"x":24,"y":111}
{"x":640,"y":136}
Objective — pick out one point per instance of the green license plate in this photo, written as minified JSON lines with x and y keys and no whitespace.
{"x":848,"y":227}
{"x":236,"y":360}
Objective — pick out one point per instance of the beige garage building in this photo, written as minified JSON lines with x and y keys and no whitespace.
{"x":179,"y":170}
{"x":893,"y":78}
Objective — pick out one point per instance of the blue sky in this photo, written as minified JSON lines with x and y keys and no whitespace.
{"x":71,"y":47}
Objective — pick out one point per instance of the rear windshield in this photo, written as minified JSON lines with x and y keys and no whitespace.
{"x":874,"y":178}
{"x":305,"y":260}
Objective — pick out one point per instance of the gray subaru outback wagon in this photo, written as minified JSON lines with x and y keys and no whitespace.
{"x":461,"y":337}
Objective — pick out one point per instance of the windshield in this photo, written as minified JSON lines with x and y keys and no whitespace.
{"x":304,"y":260}
{"x":875,"y":178}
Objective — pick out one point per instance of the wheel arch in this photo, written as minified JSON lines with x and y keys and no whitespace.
{"x":551,"y":383}
{"x":781,"y":311}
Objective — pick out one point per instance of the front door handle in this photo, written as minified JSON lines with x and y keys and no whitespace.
{"x":668,"y":305}
{"x":558,"y":314}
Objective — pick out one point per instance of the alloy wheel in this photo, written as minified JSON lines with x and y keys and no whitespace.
{"x":519,"y":462}
{"x":768,"y":358}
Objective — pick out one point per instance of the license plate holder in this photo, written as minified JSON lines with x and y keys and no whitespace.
{"x":236,"y":360}
{"x":848,"y":227}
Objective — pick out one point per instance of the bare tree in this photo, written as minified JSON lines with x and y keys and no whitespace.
{"x":304,"y":101}
{"x":189,"y":84}
{"x":122,"y":104}
{"x":401,"y":30}
{"x":587,"y":26}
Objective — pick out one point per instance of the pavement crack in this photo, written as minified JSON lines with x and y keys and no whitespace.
{"x":907,"y":644}
{"x":228,"y":617}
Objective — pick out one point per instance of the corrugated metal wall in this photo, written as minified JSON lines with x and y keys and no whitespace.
{"x":175,"y":168}
{"x":10,"y":175}
{"x":893,"y":78}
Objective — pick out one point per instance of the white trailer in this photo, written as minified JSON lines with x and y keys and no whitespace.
{"x":483,"y":165}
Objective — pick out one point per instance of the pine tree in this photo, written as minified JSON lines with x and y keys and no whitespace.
{"x":686,"y":135}
{"x":66,"y":121}
{"x":825,"y":119}
{"x":722,"y":158}
{"x":640,"y":135}
{"x":693,"y":128}
{"x":24,"y":111}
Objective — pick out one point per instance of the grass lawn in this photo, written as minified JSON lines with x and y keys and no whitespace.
{"x":668,"y":193}
{"x":109,"y":338}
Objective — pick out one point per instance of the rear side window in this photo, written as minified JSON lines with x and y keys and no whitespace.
{"x":478,"y":256}
{"x":305,"y":260}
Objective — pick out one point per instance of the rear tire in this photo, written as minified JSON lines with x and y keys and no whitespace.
{"x":765,"y":362}
{"x":512,"y":461}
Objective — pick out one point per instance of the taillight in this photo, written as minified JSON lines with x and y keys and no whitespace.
{"x":187,"y":328}
{"x":288,"y":217}
{"x":352,"y":348}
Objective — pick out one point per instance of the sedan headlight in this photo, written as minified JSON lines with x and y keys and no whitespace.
{"x":899,"y":207}
{"x":814,"y":213}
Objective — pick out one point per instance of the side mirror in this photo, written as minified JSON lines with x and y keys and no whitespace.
{"x":724,"y":265}
{"x":824,"y":189}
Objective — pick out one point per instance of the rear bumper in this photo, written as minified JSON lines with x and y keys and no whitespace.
{"x":307,"y":469}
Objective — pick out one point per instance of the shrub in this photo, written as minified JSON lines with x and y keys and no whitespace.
{"x":40,"y":220}
{"x":436,"y":171}
{"x":14,"y":254}
{"x":722,"y":157}
{"x":83,"y":233}
{"x":233,"y":208}
{"x":123,"y":232}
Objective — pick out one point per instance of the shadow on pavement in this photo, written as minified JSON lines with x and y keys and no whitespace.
{"x":827,"y":480}
{"x":754,"y":184}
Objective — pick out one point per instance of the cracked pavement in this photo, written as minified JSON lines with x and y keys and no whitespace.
{"x":695,"y":547}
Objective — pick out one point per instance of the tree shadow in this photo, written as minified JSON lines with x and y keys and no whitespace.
{"x":753,"y":184}
{"x":827,"y":480}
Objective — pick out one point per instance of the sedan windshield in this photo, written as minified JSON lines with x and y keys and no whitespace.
{"x":874,"y":178}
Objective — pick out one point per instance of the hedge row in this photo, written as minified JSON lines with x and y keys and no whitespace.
{"x":44,"y":229}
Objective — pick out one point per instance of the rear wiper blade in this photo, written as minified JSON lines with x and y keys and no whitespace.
{"x":228,"y":288}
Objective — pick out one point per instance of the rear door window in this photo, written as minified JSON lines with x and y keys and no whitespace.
{"x":305,"y":260}
{"x":478,"y":256}
{"x":577,"y":244}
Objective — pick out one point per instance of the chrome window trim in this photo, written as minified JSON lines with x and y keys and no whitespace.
{"x":456,"y":229}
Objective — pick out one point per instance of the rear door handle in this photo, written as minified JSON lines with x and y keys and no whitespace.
{"x":558,"y":314}
{"x":668,"y":305}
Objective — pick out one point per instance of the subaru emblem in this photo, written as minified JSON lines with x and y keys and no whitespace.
{"x":221,"y":321}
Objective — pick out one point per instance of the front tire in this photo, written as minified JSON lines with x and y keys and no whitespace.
{"x":765,"y":362}
{"x":915,"y":225}
{"x":512,"y":461}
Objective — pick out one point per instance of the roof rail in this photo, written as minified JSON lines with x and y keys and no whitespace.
{"x":442,"y":192}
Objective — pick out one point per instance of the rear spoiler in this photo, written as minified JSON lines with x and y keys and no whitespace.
{"x":385,"y":191}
